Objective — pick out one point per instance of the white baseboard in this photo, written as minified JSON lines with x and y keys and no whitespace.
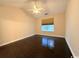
{"x":53,"y":35}
{"x":23,"y":38}
{"x":71,"y":49}
{"x":59,"y":36}
{"x":15,"y":40}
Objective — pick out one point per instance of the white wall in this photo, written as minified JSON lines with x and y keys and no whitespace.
{"x":72,"y":26}
{"x":59,"y":22}
{"x":15,"y":24}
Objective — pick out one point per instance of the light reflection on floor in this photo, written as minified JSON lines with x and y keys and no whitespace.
{"x":48,"y":42}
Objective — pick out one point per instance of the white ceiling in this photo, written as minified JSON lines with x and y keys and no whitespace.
{"x":52,"y":6}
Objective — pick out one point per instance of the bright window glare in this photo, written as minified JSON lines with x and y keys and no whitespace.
{"x":47,"y":42}
{"x":50,"y":43}
{"x":44,"y":41}
{"x":48,"y":28}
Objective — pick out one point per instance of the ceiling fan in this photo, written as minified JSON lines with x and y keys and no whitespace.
{"x":37,"y":6}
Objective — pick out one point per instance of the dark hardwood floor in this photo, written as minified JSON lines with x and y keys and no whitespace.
{"x":37,"y":46}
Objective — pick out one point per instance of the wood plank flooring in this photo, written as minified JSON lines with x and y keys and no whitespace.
{"x":37,"y":46}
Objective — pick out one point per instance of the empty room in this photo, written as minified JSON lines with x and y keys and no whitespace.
{"x":39,"y":28}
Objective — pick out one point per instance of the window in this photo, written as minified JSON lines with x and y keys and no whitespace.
{"x":48,"y":25}
{"x":48,"y":28}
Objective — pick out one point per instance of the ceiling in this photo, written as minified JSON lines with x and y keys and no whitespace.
{"x":52,"y":6}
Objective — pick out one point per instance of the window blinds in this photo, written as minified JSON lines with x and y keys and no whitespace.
{"x":49,"y":21}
